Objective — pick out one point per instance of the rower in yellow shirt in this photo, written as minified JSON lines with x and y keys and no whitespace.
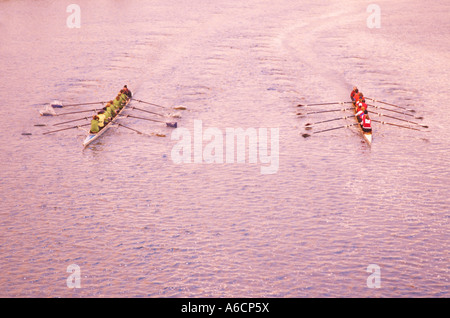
{"x":94,"y":125}
{"x":113,"y":110}
{"x":101,"y":119}
{"x":117,"y":103}
{"x":109,"y":113}
{"x":123,"y":97}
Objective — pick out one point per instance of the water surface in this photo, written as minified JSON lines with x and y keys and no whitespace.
{"x":139,"y":225}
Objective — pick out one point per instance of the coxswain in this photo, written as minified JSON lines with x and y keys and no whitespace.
{"x":366,"y":123}
{"x":353,"y":93}
{"x":127,"y":91}
{"x":94,"y":125}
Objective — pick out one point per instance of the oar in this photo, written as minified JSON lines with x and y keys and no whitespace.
{"x":379,"y":101}
{"x":325,"y":111}
{"x":177,"y":108}
{"x":394,"y":111}
{"x":141,"y":133}
{"x":326,"y":121}
{"x":64,"y":122}
{"x":401,"y":126}
{"x":321,"y":131}
{"x":173,"y":125}
{"x":70,"y":105}
{"x":69,"y":121}
{"x":81,"y":111}
{"x":407,"y":121}
{"x":330,"y":103}
{"x":143,"y":110}
{"x":53,"y":131}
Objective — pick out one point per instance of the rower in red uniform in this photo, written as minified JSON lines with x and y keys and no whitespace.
{"x":360,"y":99}
{"x":363,"y":101}
{"x":365,"y":122}
{"x":360,"y":109}
{"x":360,"y":96}
{"x":358,"y":106}
{"x":353,"y":93}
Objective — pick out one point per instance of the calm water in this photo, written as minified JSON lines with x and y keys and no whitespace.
{"x":137,"y":224}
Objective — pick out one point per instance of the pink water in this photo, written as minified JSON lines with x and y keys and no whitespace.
{"x":139,"y":225}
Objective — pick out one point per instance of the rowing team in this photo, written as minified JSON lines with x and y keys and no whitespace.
{"x":104,"y":116}
{"x":361,"y":110}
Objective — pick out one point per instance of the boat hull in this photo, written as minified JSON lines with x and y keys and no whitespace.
{"x":90,"y":138}
{"x":366,"y":135}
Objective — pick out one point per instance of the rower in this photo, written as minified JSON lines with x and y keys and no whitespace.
{"x":366,"y":123}
{"x":123,"y":96}
{"x":127,"y":91}
{"x":108,"y":112}
{"x":358,"y":106}
{"x":362,"y":100}
{"x":94,"y":125}
{"x":101,"y":119}
{"x":117,"y":103}
{"x":359,"y":111}
{"x":361,"y":97}
{"x":112,"y":108}
{"x":353,"y":93}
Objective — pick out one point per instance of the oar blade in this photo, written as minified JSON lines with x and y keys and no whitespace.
{"x":57,"y":104}
{"x":47,"y":111}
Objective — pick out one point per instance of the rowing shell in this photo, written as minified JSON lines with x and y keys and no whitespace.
{"x":366,"y":135}
{"x":92,"y":137}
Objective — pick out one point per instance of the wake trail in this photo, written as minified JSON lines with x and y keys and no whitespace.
{"x":313,"y":43}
